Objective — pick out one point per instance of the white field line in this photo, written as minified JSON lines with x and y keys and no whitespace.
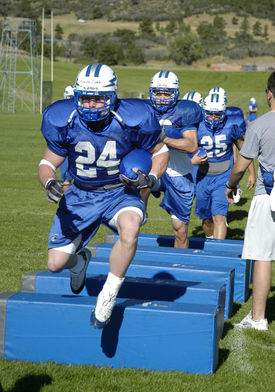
{"x":240,"y":357}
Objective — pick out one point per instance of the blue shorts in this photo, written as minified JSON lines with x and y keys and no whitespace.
{"x":82,"y":212}
{"x":210,"y":195}
{"x":178,"y":195}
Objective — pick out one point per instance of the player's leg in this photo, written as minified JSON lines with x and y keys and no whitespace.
{"x":219,"y":207}
{"x":208,"y":227}
{"x":128,"y":223}
{"x":74,"y":224}
{"x":180,"y":229}
{"x":220,"y":228}
{"x":260,"y":287}
{"x":178,"y":201}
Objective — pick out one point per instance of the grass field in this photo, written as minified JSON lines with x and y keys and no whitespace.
{"x":247,"y":359}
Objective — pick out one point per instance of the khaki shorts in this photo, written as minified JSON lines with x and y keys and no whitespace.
{"x":259,"y":237}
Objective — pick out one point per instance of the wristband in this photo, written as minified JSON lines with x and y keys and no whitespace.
{"x":47,"y":182}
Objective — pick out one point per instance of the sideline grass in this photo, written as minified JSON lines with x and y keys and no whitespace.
{"x":246,"y":358}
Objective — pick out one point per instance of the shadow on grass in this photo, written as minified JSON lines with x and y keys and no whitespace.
{"x":30,"y":383}
{"x":270,"y":306}
{"x":223,"y":355}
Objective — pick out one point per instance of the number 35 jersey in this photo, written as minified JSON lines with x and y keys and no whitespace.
{"x":94,"y":152}
{"x":218,"y":143}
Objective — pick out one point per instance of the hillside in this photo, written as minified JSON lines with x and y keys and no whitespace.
{"x":135,"y":10}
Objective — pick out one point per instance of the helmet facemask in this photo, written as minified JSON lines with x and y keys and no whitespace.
{"x":98,"y":83}
{"x":95,"y":113}
{"x":167,"y":84}
{"x":214,"y":111}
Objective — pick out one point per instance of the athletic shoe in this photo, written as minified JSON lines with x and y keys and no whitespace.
{"x":78,"y":279}
{"x":237,"y":195}
{"x":248,"y":322}
{"x":102,"y":312}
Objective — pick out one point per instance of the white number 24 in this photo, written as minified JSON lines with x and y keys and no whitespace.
{"x":107,"y":159}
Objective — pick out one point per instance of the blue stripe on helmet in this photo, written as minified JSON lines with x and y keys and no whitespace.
{"x":160,"y":74}
{"x":166,"y":74}
{"x":97,"y":70}
{"x":93,"y":67}
{"x":89,"y":69}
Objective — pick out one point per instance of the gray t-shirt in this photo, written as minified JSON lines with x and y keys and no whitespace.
{"x":259,"y":143}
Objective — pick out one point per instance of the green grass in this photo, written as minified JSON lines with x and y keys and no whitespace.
{"x":246,"y":359}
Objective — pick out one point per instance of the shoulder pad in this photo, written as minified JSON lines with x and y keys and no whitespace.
{"x":58,"y":113}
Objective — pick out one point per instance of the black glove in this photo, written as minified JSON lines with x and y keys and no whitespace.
{"x":143,"y":181}
{"x":54,"y":189}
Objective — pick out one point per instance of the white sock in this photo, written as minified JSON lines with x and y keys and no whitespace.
{"x":113,"y":283}
{"x":209,"y":236}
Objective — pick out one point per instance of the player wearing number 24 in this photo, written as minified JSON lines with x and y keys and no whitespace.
{"x":95,"y":131}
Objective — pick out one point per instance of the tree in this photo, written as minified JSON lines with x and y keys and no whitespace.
{"x":110,"y":53}
{"x":235,"y":20}
{"x":126,"y":36}
{"x":219,"y":28}
{"x":265,"y":35}
{"x":146,"y":27}
{"x":257,"y":28}
{"x":134,"y":54}
{"x":185,"y":49}
{"x":58,"y":32}
{"x":171,"y":27}
{"x":89,"y":47}
{"x":205,"y":31}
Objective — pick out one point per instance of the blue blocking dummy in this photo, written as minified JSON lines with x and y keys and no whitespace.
{"x":153,"y":335}
{"x":191,"y":256}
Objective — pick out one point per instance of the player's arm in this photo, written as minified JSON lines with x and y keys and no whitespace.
{"x":47,"y":175}
{"x":237,"y":173}
{"x":160,"y":157}
{"x":251,"y":168}
{"x":187,"y":144}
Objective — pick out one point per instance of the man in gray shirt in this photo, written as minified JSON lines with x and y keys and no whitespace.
{"x":259,"y":238}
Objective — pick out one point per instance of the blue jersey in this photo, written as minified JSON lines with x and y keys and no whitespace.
{"x":236,"y":116}
{"x":183,"y":116}
{"x":218,"y":143}
{"x":94,"y":151}
{"x":251,"y":116}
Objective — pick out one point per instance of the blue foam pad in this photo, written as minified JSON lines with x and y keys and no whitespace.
{"x":142,"y":268}
{"x":148,"y":289}
{"x":234,"y":246}
{"x":155,"y":335}
{"x":226,"y":245}
{"x":209,"y":244}
{"x":190,"y":256}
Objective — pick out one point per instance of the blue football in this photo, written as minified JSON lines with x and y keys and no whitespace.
{"x":138,"y":159}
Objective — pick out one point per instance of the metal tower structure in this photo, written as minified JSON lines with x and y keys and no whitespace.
{"x":19,"y":72}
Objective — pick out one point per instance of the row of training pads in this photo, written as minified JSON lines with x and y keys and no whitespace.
{"x":169,"y":314}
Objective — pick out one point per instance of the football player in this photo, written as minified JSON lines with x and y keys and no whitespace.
{"x":216,"y":135}
{"x":252,"y":111}
{"x":194,"y":96}
{"x":179,"y":119}
{"x":96,"y":130}
{"x":237,"y":116}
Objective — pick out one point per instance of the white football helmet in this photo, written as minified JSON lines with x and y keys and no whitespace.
{"x":214,"y":104}
{"x":219,"y":90}
{"x":164,"y":81}
{"x":95,"y":80}
{"x":69,"y":92}
{"x":194,"y":96}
